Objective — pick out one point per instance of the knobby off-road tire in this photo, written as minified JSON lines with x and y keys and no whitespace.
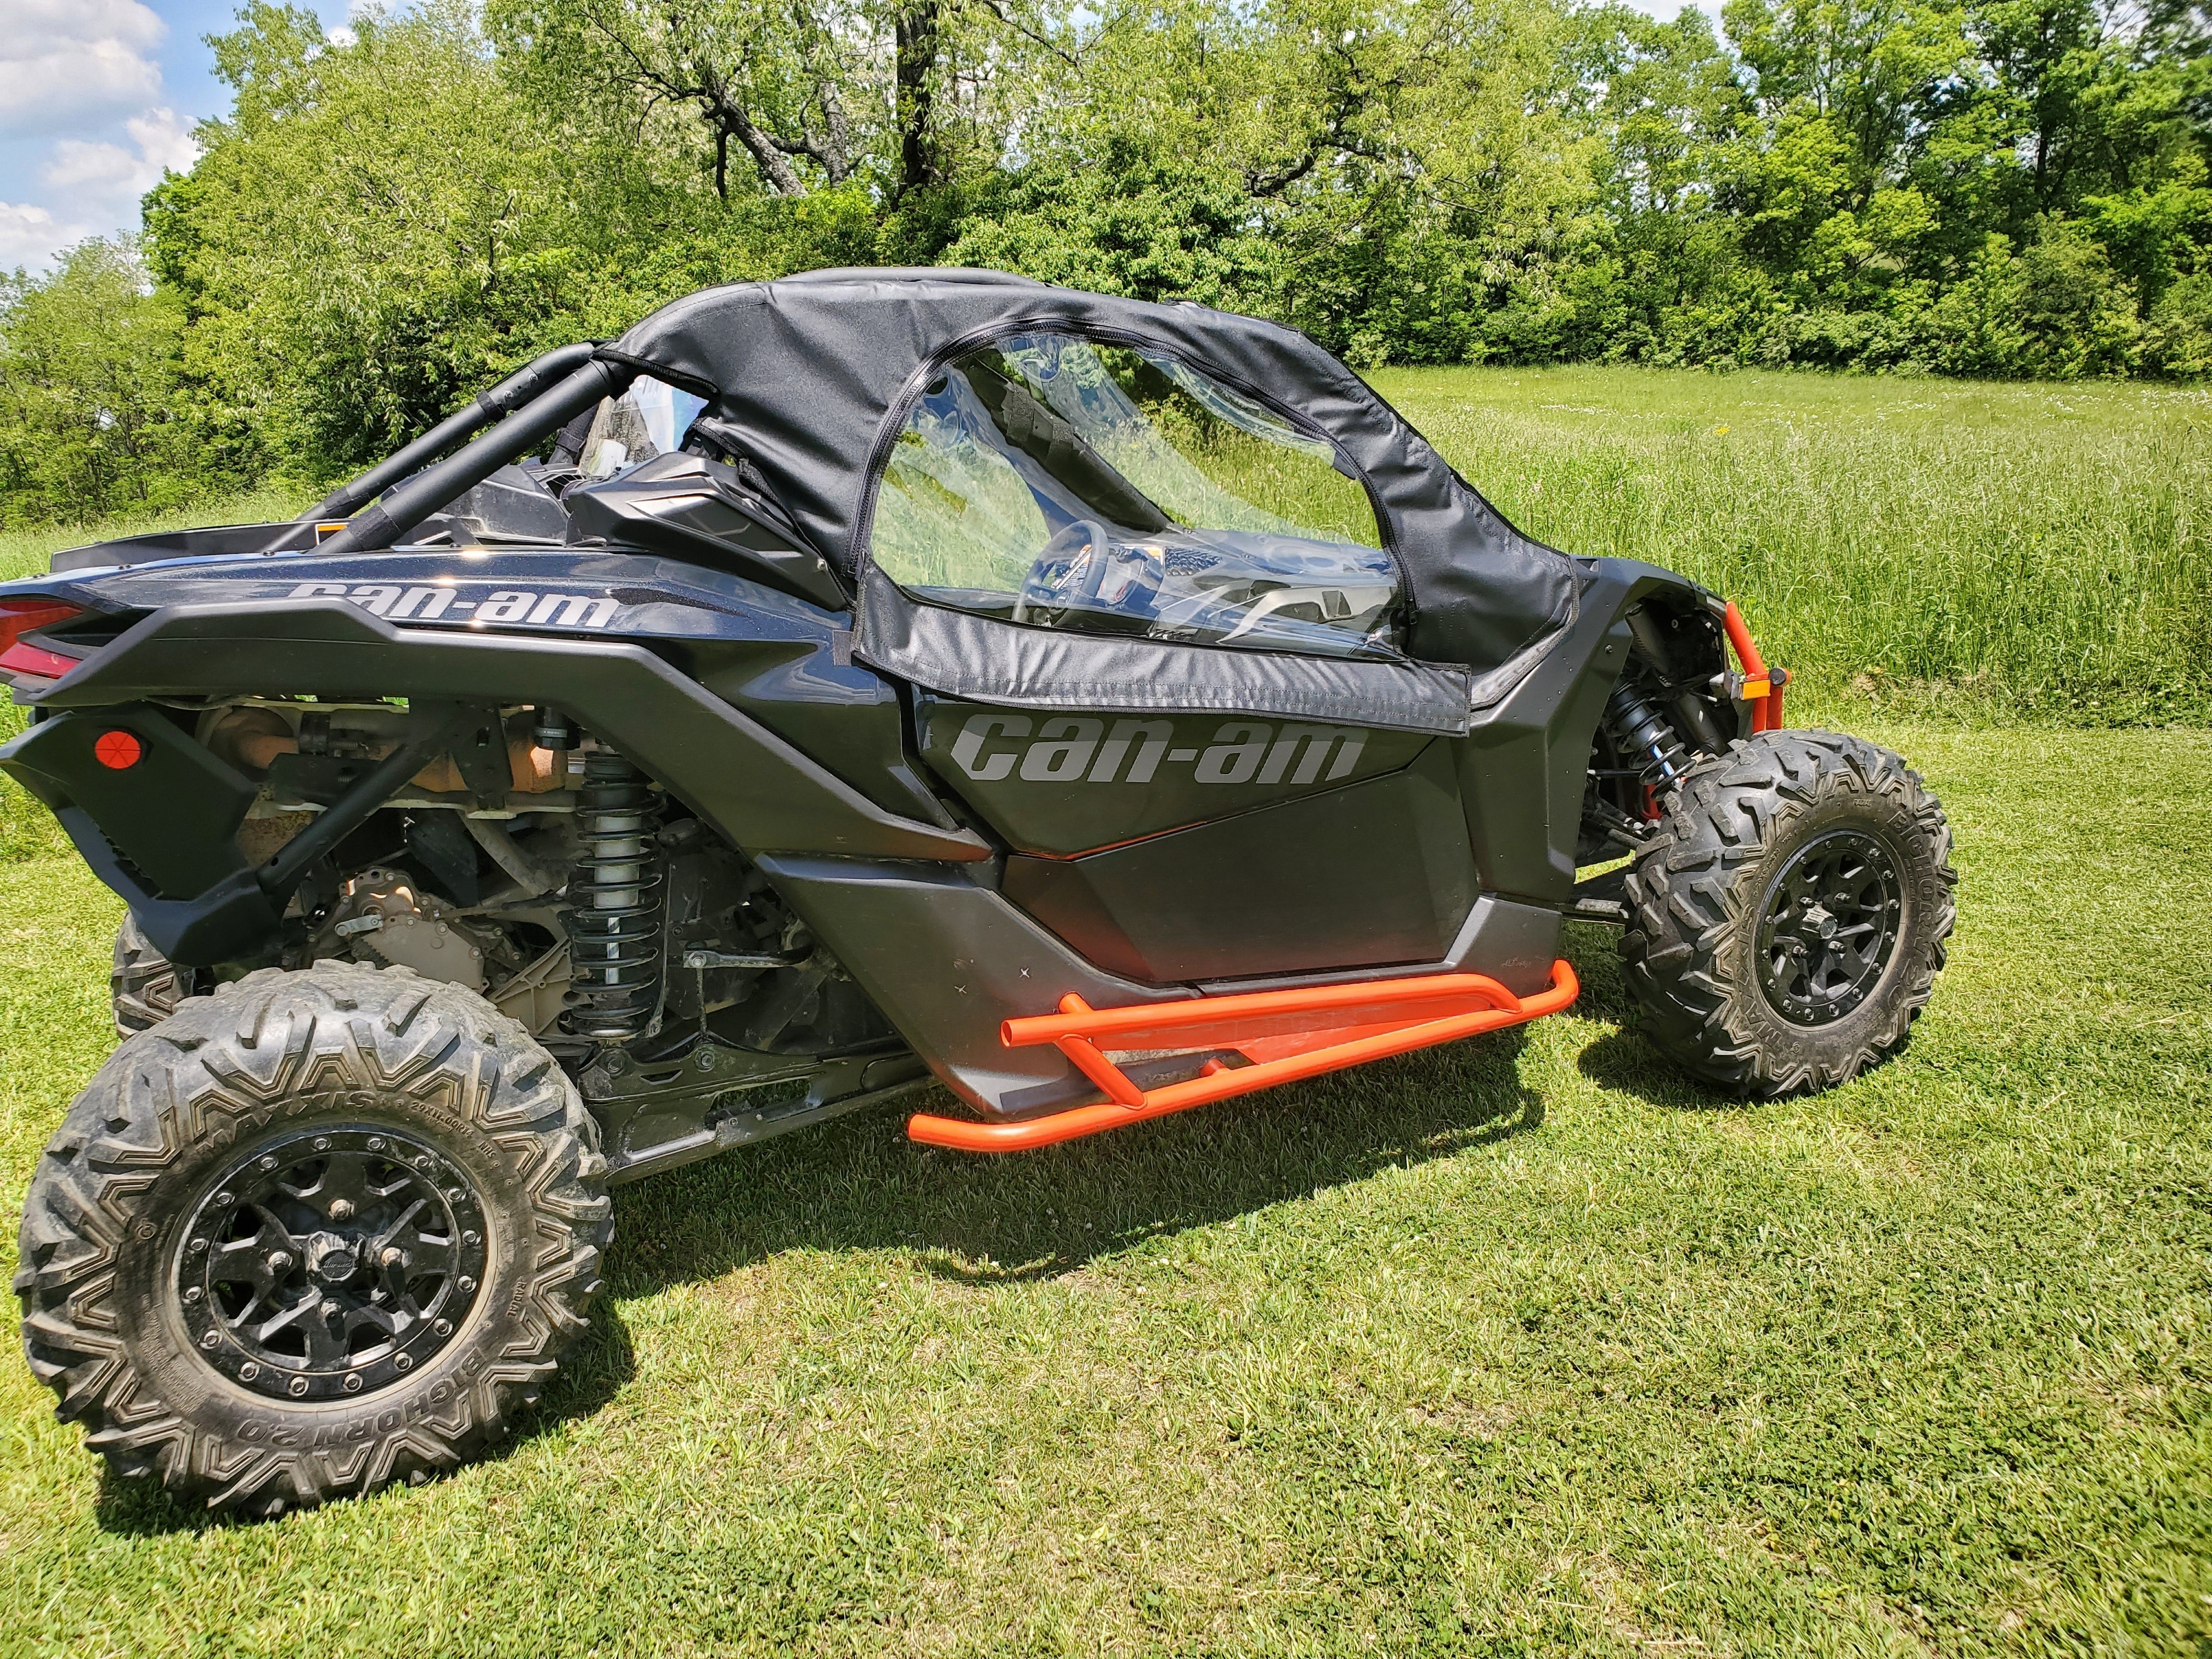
{"x":1787,"y":921}
{"x":316,"y":1232}
{"x":145,"y":984}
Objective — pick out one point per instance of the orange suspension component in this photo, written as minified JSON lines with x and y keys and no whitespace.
{"x":1287,"y":1035}
{"x":1759,"y":682}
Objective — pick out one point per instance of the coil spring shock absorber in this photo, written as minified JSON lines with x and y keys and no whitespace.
{"x":1644,"y":737}
{"x":617,"y":890}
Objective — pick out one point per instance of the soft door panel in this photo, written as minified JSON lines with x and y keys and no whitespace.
{"x":1060,"y":783}
{"x":1365,"y":874}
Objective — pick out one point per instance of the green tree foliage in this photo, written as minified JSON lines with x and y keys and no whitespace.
{"x":88,"y":391}
{"x":376,"y":228}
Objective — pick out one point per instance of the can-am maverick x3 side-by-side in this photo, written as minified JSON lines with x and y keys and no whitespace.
{"x":834,"y":684}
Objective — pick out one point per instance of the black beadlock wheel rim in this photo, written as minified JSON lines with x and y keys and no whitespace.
{"x":1829,"y":926}
{"x":331,"y":1264}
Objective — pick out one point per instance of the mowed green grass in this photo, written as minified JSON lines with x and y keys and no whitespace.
{"x":1526,"y":1346}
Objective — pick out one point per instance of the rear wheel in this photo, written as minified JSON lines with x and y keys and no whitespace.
{"x":1787,"y":922}
{"x":315,"y":1232}
{"x":146,"y":985}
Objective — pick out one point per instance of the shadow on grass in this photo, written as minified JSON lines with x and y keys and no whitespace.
{"x":858,"y":1186}
{"x":591,"y":1375}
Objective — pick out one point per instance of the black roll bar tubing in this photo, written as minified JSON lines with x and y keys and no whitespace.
{"x":409,"y":504}
{"x":509,"y":395}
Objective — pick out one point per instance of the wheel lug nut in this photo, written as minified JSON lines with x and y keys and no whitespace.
{"x":279,"y":1259}
{"x":328,"y":1310}
{"x":340,"y":1209}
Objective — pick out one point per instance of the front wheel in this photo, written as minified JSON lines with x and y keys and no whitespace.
{"x":1787,"y":922}
{"x":314,"y":1233}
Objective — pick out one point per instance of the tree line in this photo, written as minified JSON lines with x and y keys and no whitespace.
{"x":378,"y":227}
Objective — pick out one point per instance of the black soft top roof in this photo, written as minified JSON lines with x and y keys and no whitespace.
{"x":817,"y":369}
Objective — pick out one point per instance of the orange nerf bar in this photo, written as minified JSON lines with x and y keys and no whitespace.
{"x":1287,"y":1036}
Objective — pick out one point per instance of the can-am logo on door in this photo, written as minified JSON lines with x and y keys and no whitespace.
{"x":1079,"y":749}
{"x":395,"y":603}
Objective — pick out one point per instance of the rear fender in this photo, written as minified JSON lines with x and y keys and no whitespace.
{"x":783,"y":661}
{"x":762,"y":793}
{"x":156,"y":817}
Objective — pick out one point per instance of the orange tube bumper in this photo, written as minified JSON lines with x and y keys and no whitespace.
{"x":1759,"y":681}
{"x":1288,"y":1036}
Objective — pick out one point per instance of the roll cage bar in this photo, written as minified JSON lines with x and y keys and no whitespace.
{"x":577,"y":378}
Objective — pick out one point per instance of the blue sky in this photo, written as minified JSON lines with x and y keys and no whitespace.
{"x":98,"y":96}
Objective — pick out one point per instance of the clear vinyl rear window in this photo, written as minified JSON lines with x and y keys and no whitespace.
{"x":1063,"y":483}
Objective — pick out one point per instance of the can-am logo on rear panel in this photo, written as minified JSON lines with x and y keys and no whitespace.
{"x":1077,"y":748}
{"x":507,"y":604}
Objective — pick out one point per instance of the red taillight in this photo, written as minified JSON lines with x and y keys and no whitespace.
{"x":21,"y":617}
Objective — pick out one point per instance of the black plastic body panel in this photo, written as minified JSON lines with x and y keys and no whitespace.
{"x":216,"y":541}
{"x":697,"y":509}
{"x":1364,"y":875}
{"x":946,"y":959}
{"x":174,"y":813}
{"x":1058,"y":783}
{"x":758,"y":791}
{"x":1523,"y":764}
{"x":786,"y":663}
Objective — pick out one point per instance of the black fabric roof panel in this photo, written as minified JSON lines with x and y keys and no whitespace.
{"x":817,"y":369}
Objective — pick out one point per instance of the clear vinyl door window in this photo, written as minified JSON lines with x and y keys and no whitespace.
{"x":1064,"y":483}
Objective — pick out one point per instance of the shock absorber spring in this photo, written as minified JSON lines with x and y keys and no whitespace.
{"x":617,"y":890}
{"x":1643,"y":736}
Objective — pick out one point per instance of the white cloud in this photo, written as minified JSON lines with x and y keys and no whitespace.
{"x":30,"y":236}
{"x":340,"y":35}
{"x":73,"y":72}
{"x":109,"y":173}
{"x":68,"y":60}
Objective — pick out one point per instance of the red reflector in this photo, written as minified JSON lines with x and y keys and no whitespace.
{"x":24,"y":658}
{"x":118,"y":750}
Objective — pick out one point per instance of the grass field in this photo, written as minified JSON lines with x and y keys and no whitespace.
{"x":1990,"y":552}
{"x":1997,"y":551}
{"x":1524,"y":1347}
